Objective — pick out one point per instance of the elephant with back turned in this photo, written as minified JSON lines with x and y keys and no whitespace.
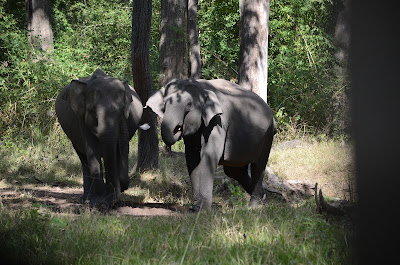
{"x":220,"y":123}
{"x":100,"y":114}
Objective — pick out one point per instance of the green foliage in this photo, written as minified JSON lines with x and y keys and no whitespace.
{"x":238,"y":196}
{"x":301,"y":64}
{"x":90,"y":34}
{"x":94,"y":33}
{"x":218,"y":23}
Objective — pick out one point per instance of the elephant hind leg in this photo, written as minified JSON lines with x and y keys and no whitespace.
{"x":258,"y":172}
{"x":257,"y":190}
{"x":241,"y":175}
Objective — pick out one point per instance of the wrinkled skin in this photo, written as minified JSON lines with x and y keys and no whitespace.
{"x":100,"y":114}
{"x":220,"y":123}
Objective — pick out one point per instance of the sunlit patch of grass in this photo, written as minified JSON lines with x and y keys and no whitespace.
{"x":40,"y":163}
{"x":328,"y":163}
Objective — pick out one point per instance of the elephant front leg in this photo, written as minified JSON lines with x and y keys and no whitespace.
{"x":93,"y":183}
{"x":202,"y":179}
{"x":202,"y":160}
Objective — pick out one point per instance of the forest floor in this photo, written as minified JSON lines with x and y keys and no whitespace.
{"x":35,"y":176}
{"x":42,"y":221}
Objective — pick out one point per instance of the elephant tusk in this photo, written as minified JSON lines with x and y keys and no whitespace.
{"x":144,"y":126}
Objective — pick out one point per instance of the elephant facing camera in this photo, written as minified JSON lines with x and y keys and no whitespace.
{"x":221,"y":124}
{"x":100,"y":115}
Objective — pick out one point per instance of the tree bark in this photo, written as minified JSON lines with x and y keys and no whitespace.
{"x":40,"y":33}
{"x":140,"y":44}
{"x":253,"y":60}
{"x":173,"y":41}
{"x":195,"y":59}
{"x":342,"y":38}
{"x":343,"y":35}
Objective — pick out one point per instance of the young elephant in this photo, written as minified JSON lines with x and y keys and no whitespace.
{"x":100,"y":114}
{"x":220,"y":123}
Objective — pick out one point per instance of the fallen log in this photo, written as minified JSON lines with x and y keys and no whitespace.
{"x":337,"y":208}
{"x":291,"y":191}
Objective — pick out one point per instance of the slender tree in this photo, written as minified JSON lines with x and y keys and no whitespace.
{"x":173,"y":41}
{"x":40,"y":32}
{"x":140,"y":44}
{"x":253,"y":60}
{"x":342,"y":36}
{"x":195,"y":60}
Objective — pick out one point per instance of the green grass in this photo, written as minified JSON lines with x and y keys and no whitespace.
{"x":274,"y":233}
{"x":327,"y":162}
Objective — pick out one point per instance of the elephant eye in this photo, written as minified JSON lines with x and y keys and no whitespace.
{"x":188,"y":107}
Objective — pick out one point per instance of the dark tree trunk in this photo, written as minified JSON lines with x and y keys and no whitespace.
{"x":40,"y":33}
{"x":253,"y":60}
{"x":195,"y":59}
{"x":173,"y":41}
{"x":148,"y":140}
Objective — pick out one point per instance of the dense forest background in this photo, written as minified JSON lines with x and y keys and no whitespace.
{"x":306,"y":88}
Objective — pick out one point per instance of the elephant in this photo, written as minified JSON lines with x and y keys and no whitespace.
{"x":100,"y":114}
{"x":221,"y":124}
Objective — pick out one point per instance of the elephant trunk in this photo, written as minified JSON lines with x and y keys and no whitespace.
{"x":109,"y":146}
{"x":171,"y":128}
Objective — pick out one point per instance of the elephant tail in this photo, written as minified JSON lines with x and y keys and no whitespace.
{"x":274,"y":124}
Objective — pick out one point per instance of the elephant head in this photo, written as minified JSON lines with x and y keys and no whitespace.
{"x":102,"y":105}
{"x":183,"y":105}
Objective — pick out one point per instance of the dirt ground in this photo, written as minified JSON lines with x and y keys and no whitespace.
{"x":66,"y":200}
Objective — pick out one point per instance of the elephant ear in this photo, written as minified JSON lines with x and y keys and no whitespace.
{"x":98,"y":73}
{"x":156,"y":102}
{"x":128,"y":98}
{"x":75,"y":97}
{"x":211,"y":108}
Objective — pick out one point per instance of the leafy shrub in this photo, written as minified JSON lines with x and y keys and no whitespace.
{"x":218,"y":23}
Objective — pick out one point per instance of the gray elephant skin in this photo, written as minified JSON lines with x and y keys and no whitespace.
{"x":100,"y":114}
{"x":220,"y":123}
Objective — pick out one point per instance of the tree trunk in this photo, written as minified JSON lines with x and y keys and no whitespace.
{"x":253,"y":60}
{"x":148,"y":140}
{"x":173,"y":41}
{"x":40,"y":33}
{"x":342,"y":36}
{"x":195,"y":60}
{"x":340,"y":112}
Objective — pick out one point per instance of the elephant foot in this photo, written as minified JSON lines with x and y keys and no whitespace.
{"x":107,"y":200}
{"x":197,"y":207}
{"x":84,"y":199}
{"x":124,"y":184}
{"x":92,"y":189}
{"x":256,"y":200}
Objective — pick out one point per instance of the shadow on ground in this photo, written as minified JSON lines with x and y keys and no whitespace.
{"x":66,"y":200}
